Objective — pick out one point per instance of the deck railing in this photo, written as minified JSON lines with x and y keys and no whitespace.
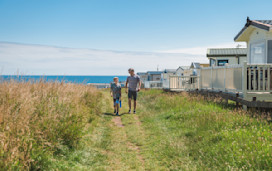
{"x":183,"y":82}
{"x":251,"y":81}
{"x":259,"y":78}
{"x":223,"y":78}
{"x":153,"y":84}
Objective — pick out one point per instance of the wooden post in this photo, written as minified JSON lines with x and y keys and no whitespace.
{"x":244,"y":83}
{"x":227,"y":101}
{"x":245,"y":107}
{"x":200,"y":80}
{"x":225,"y":68}
{"x":211,"y":77}
{"x":259,"y":78}
{"x":237,"y":103}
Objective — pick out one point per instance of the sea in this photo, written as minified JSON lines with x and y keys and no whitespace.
{"x":63,"y":78}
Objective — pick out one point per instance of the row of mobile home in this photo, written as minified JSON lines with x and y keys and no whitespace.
{"x":160,"y":79}
{"x":241,"y":74}
{"x":216,"y":56}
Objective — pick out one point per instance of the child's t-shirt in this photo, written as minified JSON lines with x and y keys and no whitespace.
{"x":116,"y":90}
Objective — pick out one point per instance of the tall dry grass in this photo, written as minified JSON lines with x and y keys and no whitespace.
{"x":38,"y":119}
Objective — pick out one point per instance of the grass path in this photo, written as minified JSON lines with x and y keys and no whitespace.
{"x":114,"y":143}
{"x":137,"y":141}
{"x":174,"y":132}
{"x":121,"y":142}
{"x":124,"y":154}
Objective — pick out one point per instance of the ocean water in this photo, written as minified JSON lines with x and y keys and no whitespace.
{"x":64,"y":78}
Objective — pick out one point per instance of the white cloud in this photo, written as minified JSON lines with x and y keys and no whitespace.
{"x":49,"y":60}
{"x":203,"y":49}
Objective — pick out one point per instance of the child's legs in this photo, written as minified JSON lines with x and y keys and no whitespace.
{"x":117,"y":104}
{"x":114,"y":103}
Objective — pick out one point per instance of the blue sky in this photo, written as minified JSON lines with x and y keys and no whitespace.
{"x":128,"y":25}
{"x":139,"y":25}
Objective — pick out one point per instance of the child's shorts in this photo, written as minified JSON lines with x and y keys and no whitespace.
{"x":115,"y":101}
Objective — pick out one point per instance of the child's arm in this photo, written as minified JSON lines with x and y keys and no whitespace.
{"x":111,"y":92}
{"x":120,"y":92}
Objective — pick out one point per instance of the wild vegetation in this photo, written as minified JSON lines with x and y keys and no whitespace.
{"x":55,"y":126}
{"x":40,"y":121}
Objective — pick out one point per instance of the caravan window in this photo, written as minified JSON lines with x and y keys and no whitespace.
{"x":212,"y":62}
{"x":257,"y":53}
{"x":222,"y":62}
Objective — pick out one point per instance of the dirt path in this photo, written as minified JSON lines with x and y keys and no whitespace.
{"x":117,"y":121}
{"x":134,"y":148}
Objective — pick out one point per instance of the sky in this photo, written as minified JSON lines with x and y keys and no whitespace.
{"x":36,"y":36}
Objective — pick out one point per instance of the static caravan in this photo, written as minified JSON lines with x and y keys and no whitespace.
{"x":143,"y":77}
{"x":258,"y":36}
{"x":154,"y":79}
{"x":181,"y":69}
{"x":223,"y":56}
{"x":167,"y":72}
{"x":165,"y":76}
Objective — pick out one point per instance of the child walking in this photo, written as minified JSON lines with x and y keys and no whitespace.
{"x":116,"y":94}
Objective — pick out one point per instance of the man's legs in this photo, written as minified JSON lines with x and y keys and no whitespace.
{"x":129,"y":103}
{"x":129,"y":100}
{"x":135,"y":102}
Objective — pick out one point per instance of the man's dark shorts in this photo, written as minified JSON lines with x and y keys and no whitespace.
{"x":132,"y":95}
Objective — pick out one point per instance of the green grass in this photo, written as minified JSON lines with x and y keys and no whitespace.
{"x":214,"y":137}
{"x":169,"y":132}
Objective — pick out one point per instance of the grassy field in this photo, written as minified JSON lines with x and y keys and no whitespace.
{"x":72,"y":127}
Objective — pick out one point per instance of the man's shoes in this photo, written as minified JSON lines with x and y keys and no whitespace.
{"x":129,"y":111}
{"x":134,"y":112}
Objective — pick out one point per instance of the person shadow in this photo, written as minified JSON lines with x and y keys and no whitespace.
{"x":113,"y":114}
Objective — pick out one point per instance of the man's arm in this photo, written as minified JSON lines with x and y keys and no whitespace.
{"x":140,"y":84}
{"x":126,"y":86}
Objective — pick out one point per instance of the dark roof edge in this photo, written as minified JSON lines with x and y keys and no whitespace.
{"x":224,"y":55}
{"x":253,"y":23}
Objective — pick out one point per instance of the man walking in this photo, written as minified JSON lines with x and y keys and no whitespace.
{"x":131,"y":88}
